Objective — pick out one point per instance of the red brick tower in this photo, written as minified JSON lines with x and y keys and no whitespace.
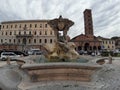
{"x":88,"y":23}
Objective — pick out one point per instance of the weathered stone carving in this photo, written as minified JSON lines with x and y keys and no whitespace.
{"x":61,"y":50}
{"x":60,"y":24}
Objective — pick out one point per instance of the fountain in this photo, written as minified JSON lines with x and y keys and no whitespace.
{"x":61,"y":59}
{"x":62,"y":50}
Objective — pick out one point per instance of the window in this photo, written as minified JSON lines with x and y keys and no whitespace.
{"x":35,"y":33}
{"x":30,"y":25}
{"x":18,"y":40}
{"x":108,"y":46}
{"x":112,"y":46}
{"x":109,"y":42}
{"x":50,"y":40}
{"x":29,"y":32}
{"x":106,"y":42}
{"x":29,"y":40}
{"x":45,"y":32}
{"x":40,"y":41}
{"x":14,"y":40}
{"x":34,"y":40}
{"x":19,"y":33}
{"x":2,"y":33}
{"x":15,"y":26}
{"x":11,"y":26}
{"x":3,"y":26}
{"x":35,"y":25}
{"x":45,"y":25}
{"x":103,"y":42}
{"x":40,"y":25}
{"x":50,"y":32}
{"x":25,"y":25}
{"x":6,"y":33}
{"x":45,"y":40}
{"x":9,"y":40}
{"x":40,"y":32}
{"x":10,"y":33}
{"x":20,"y":26}
{"x":7,"y":26}
{"x":1,"y":40}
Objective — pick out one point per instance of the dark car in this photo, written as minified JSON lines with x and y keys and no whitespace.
{"x":15,"y":51}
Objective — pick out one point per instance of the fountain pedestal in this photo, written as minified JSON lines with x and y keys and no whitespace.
{"x":60,"y":71}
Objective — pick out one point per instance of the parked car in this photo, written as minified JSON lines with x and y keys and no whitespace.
{"x":11,"y":55}
{"x":81,"y":52}
{"x":35,"y":52}
{"x":14,"y":51}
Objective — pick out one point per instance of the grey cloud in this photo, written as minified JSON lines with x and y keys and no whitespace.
{"x":106,"y":14}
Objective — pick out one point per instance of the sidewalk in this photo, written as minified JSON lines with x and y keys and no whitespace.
{"x":3,"y":63}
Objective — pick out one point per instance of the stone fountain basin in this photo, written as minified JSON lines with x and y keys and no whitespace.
{"x":60,"y":71}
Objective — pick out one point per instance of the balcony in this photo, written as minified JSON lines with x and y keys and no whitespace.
{"x":23,"y":35}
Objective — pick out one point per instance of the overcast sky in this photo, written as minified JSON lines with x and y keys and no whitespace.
{"x":105,"y":13}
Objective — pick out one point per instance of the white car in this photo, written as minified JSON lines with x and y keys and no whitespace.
{"x":35,"y":52}
{"x":11,"y":55}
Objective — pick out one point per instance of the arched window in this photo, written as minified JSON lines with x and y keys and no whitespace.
{"x":34,"y":40}
{"x":29,"y":32}
{"x":1,"y":40}
{"x":45,"y":32}
{"x":10,"y":33}
{"x":50,"y":40}
{"x":50,"y":32}
{"x":35,"y":33}
{"x":24,"y":40}
{"x":29,"y":40}
{"x":40,"y":41}
{"x":9,"y":40}
{"x":45,"y":25}
{"x":14,"y":40}
{"x":40,"y":33}
{"x":40,"y":25}
{"x":11,"y":26}
{"x":6,"y":33}
{"x":30,"y":25}
{"x":20,"y":26}
{"x":15,"y":26}
{"x":35,"y":25}
{"x":19,"y":33}
{"x":45,"y":40}
{"x":25,"y":25}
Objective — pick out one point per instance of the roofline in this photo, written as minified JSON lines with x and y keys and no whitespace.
{"x":22,"y":21}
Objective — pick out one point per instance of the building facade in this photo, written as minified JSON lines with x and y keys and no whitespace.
{"x":117,"y":42}
{"x":23,"y":35}
{"x":107,"y":44}
{"x":87,"y":41}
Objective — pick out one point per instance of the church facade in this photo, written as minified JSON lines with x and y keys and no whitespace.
{"x":87,"y":41}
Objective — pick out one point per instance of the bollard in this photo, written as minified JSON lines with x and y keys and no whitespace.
{"x":110,"y":59}
{"x":8,"y":60}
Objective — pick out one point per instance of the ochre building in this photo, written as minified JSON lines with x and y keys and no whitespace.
{"x":26,"y":34}
{"x":107,"y":44}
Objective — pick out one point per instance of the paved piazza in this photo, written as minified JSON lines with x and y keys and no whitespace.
{"x":107,"y":78}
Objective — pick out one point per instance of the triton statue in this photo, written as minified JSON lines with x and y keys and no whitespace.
{"x":61,"y":50}
{"x":60,"y":24}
